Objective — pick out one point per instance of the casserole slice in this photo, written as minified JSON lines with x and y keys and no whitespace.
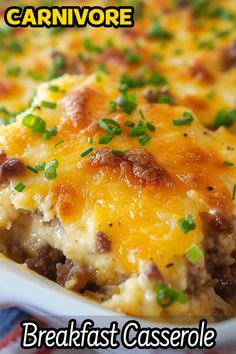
{"x":130,"y":204}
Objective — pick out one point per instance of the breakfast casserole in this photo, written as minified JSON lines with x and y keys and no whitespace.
{"x":117,"y":158}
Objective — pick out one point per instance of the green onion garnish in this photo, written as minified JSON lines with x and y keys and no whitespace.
{"x":133,"y":58}
{"x":127,"y":101}
{"x":90,"y":140}
{"x":186,"y":120}
{"x":117,"y":152}
{"x":15,"y":46}
{"x":137,"y":131}
{"x":53,"y":88}
{"x":59,"y":143}
{"x":35,"y":123}
{"x":40,"y":166}
{"x":234,"y":192}
{"x":164,"y":98}
{"x":194,"y":254}
{"x":51,"y":169}
{"x":128,"y":123}
{"x":112,"y":106}
{"x":151,"y":127}
{"x":225,"y":118}
{"x":141,"y":114}
{"x":50,"y":105}
{"x":187,"y":224}
{"x":32,"y":169}
{"x":143,"y":140}
{"x":167,"y":296}
{"x":19,"y":187}
{"x":227,"y":163}
{"x":110,"y":126}
{"x":105,"y":139}
{"x":86,"y":152}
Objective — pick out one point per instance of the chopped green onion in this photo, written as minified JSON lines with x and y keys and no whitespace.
{"x":51,"y":169}
{"x":53,"y":88}
{"x":35,"y":123}
{"x":158,"y":32}
{"x":167,"y":296}
{"x":137,"y":131}
{"x":50,"y":105}
{"x":151,"y":127}
{"x":141,"y":114}
{"x":227,"y":163}
{"x":143,"y":140}
{"x":110,"y":126}
{"x":90,"y":47}
{"x":59,"y":143}
{"x":13,"y":71}
{"x":164,"y":98}
{"x":86,"y":152}
{"x":127,"y":102}
{"x":112,"y":106}
{"x":187,"y":224}
{"x":194,"y":254}
{"x":186,"y":120}
{"x":105,"y":139}
{"x":40,"y":166}
{"x":225,"y":118}
{"x":19,"y":187}
{"x":32,"y":169}
{"x":128,"y":123}
{"x":133,"y":58}
{"x":15,"y":46}
{"x":234,"y":192}
{"x":50,"y":132}
{"x":90,"y":140}
{"x":117,"y":152}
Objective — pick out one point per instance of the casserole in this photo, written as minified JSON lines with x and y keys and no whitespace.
{"x":159,"y":191}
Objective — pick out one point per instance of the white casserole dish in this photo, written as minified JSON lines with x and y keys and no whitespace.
{"x":21,"y":287}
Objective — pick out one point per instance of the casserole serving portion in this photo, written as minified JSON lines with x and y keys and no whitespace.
{"x":129,"y":203}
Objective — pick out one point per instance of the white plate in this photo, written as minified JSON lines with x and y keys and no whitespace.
{"x":21,"y":287}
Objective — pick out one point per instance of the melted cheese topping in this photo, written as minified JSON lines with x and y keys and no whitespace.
{"x":141,"y":221}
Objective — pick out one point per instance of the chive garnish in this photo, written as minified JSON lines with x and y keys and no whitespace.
{"x":187,"y":224}
{"x":19,"y":187}
{"x":143,"y":140}
{"x":128,"y":123}
{"x":53,"y":88}
{"x":90,"y":140}
{"x":194,"y":254}
{"x":86,"y":152}
{"x":186,"y":120}
{"x":141,"y":114}
{"x":151,"y":127}
{"x":59,"y":143}
{"x":112,"y":106}
{"x":105,"y":139}
{"x":50,"y":105}
{"x":137,"y":131}
{"x":110,"y":126}
{"x":51,"y":169}
{"x":228,"y":163}
{"x":234,"y":192}
{"x":117,"y":152}
{"x":35,"y":123}
{"x":40,"y":166}
{"x":32,"y":169}
{"x":167,"y":296}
